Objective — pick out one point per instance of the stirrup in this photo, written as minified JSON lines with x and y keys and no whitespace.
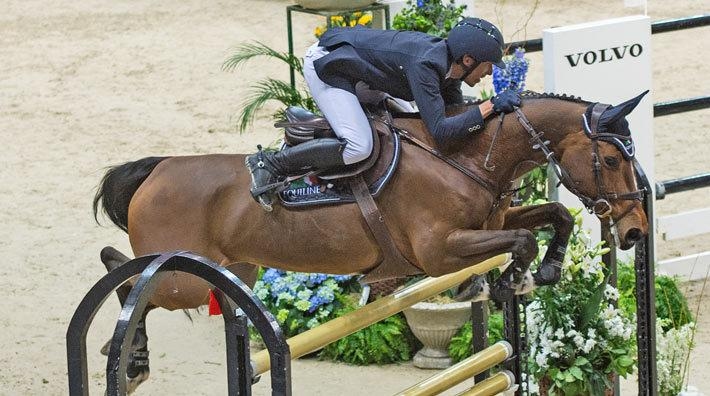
{"x":270,"y":188}
{"x":263,"y":195}
{"x":260,"y":194}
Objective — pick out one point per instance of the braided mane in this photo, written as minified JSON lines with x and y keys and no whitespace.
{"x":549,"y":95}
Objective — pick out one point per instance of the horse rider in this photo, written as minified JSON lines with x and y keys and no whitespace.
{"x":407,"y":65}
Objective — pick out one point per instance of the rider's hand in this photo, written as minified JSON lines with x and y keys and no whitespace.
{"x":505,"y":102}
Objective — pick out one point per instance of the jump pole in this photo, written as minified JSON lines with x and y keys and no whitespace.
{"x":316,"y":338}
{"x":462,"y":371}
{"x":497,"y":383}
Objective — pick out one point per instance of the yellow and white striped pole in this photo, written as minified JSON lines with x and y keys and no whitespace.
{"x":493,"y":385}
{"x":461,"y":371}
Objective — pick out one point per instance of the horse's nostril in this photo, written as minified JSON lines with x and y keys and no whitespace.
{"x":634,"y":235}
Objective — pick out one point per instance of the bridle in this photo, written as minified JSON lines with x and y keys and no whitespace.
{"x":600,"y":206}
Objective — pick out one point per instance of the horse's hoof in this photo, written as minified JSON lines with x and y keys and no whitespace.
{"x":502,"y":293}
{"x":471,"y":289}
{"x":548,"y":274}
{"x":132,"y":383}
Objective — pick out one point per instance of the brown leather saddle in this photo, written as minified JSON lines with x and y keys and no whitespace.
{"x":333,"y":187}
{"x":359,"y":183}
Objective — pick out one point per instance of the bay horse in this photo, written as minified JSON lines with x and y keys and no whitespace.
{"x":446,"y":208}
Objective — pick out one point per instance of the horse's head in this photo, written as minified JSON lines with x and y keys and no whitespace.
{"x":599,"y":164}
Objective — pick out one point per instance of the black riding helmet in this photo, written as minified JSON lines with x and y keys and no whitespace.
{"x":478,"y":38}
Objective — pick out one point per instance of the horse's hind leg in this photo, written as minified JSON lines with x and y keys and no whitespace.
{"x":138,"y":364}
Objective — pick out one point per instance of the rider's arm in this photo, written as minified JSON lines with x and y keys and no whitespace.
{"x":451,"y":92}
{"x":426,"y":89}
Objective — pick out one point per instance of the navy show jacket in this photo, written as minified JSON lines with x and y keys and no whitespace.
{"x":407,"y":65}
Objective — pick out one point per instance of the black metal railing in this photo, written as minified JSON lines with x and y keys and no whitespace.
{"x":688,"y":183}
{"x":681,"y":106}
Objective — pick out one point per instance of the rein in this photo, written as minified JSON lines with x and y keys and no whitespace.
{"x":601,"y":206}
{"x":457,"y":165}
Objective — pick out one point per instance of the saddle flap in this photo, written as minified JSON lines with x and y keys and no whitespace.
{"x":361,"y":166}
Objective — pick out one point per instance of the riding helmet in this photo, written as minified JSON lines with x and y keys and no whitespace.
{"x":478,"y":38}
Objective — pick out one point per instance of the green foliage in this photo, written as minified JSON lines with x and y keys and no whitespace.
{"x":388,"y":341}
{"x":267,"y":89}
{"x":461,"y":344}
{"x":671,"y":305}
{"x":487,"y":93}
{"x":533,"y":188}
{"x":429,"y":16}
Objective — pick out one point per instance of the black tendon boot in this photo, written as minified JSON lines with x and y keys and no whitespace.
{"x":269,"y":169}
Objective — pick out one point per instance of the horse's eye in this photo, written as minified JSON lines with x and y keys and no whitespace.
{"x":612,"y":162}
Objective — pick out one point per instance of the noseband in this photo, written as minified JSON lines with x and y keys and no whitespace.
{"x":601,"y":206}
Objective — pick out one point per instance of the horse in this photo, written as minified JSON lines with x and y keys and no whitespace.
{"x":446,"y":207}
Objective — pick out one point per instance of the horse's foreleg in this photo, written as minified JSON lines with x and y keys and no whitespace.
{"x":531,"y":217}
{"x":479,"y":245}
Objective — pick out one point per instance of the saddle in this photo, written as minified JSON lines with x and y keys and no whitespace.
{"x":358,"y":182}
{"x":332,"y":186}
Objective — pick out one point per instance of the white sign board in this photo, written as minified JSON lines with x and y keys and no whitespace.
{"x":610,"y":62}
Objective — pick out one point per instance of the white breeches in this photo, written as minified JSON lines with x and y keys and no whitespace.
{"x":342,"y":110}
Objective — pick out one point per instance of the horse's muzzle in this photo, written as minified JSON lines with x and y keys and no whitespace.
{"x":632,"y":236}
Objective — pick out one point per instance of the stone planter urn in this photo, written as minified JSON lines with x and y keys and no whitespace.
{"x":330,"y":5}
{"x":434,"y":324}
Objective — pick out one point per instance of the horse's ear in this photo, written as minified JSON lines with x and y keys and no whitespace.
{"x":620,"y":111}
{"x":613,"y":121}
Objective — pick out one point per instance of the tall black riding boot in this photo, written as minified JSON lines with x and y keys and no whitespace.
{"x":269,"y":169}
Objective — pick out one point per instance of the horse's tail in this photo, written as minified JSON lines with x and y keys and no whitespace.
{"x":118,"y":186}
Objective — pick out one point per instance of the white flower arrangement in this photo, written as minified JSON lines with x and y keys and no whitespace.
{"x":577,"y":336}
{"x":672,"y":349}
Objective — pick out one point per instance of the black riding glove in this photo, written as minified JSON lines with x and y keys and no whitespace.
{"x":505,"y":102}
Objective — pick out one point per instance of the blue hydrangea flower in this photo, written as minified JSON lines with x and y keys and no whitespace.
{"x":316,"y":279}
{"x":342,"y":278}
{"x":304,"y":294}
{"x":299,"y":278}
{"x":278,"y":286}
{"x":271,"y":274}
{"x":420,"y":3}
{"x":313,"y":322}
{"x":513,"y":77}
{"x":300,"y":300}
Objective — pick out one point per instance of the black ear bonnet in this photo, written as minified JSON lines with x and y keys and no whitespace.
{"x":612,"y":126}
